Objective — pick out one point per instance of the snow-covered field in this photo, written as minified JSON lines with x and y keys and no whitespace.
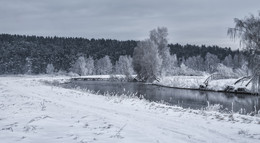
{"x":31,"y":111}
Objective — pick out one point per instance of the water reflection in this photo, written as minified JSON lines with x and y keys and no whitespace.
{"x":185,"y":98}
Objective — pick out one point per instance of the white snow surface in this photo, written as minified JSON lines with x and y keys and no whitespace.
{"x":33,"y":111}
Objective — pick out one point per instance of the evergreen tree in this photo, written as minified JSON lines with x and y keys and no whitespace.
{"x":63,"y":52}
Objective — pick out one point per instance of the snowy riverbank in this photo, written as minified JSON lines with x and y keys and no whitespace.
{"x":31,"y":111}
{"x":194,"y":82}
{"x":185,"y":82}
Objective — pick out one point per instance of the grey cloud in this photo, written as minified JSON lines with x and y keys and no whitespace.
{"x":189,"y":21}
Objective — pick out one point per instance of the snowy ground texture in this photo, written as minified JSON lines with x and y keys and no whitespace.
{"x":31,"y":111}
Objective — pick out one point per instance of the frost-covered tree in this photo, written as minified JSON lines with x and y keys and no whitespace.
{"x":146,"y":61}
{"x":236,"y":61}
{"x":239,"y":60}
{"x":248,"y":31}
{"x":28,"y":66}
{"x":62,"y":51}
{"x":195,"y":63}
{"x":200,"y":63}
{"x":173,"y":64}
{"x":124,"y":66}
{"x":211,"y":62}
{"x":159,"y":37}
{"x":174,"y":60}
{"x":104,"y":66}
{"x":79,"y":66}
{"x":50,"y":69}
{"x":225,"y":71}
{"x":185,"y":70}
{"x":90,"y":68}
{"x":228,"y":61}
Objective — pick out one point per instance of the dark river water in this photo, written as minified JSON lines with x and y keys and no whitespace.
{"x":193,"y":99}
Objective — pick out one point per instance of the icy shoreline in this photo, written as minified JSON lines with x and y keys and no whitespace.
{"x":32,"y":111}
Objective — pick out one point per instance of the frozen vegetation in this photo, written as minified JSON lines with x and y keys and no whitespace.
{"x":194,"y":82}
{"x":33,"y":111}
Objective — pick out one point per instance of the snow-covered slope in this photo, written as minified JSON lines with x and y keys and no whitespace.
{"x":31,"y":111}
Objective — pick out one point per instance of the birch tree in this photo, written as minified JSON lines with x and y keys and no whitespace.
{"x":211,"y":62}
{"x":104,"y":66}
{"x":248,"y":32}
{"x":124,"y":66}
{"x":159,"y":37}
{"x":79,"y":66}
{"x":195,"y":63}
{"x":90,"y":68}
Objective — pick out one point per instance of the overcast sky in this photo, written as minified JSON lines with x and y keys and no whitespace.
{"x":188,"y":21}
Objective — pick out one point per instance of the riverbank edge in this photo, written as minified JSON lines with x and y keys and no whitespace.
{"x":121,"y":78}
{"x":208,"y":90}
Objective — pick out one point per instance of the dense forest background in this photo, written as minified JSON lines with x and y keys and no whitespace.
{"x":16,"y":51}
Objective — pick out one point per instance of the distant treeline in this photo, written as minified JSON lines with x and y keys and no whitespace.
{"x":186,"y":51}
{"x":62,"y":52}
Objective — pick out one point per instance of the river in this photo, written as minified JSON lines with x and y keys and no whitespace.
{"x":194,"y":99}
